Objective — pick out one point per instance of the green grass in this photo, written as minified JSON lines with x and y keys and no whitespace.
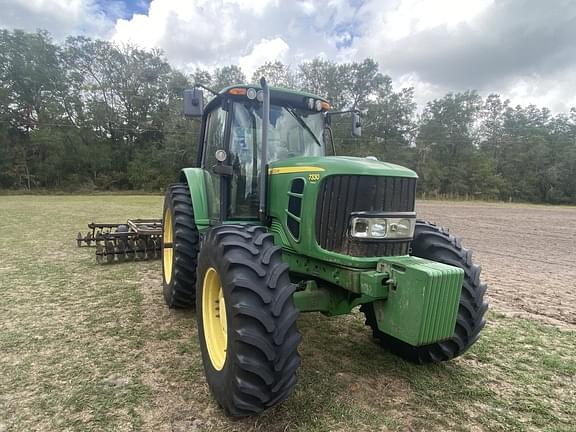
{"x":88,"y":347}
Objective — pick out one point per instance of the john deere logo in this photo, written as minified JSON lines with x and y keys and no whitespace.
{"x":313,"y":177}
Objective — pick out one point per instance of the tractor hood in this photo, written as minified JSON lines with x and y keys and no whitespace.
{"x":311,"y":201}
{"x":339,"y":165}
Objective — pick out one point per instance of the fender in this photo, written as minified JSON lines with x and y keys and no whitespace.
{"x":196,"y":181}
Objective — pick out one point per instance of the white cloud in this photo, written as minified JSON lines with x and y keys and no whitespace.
{"x":211,"y":33}
{"x":383,"y":26}
{"x":257,"y":7}
{"x":137,"y":31}
{"x":185,"y":30}
{"x":423,"y":91}
{"x":60,"y":17}
{"x":522,"y":49}
{"x":265,"y":51}
{"x":413,"y":16}
{"x":558,"y":92}
{"x":308,"y":7}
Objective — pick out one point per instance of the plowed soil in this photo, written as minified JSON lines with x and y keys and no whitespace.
{"x":527,"y":254}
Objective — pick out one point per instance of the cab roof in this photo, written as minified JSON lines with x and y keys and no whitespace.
{"x":277,"y":90}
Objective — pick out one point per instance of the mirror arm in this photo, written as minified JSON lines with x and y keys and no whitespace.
{"x":356,"y":125}
{"x":215,"y":93}
{"x":329,"y":130}
{"x":331,"y":113}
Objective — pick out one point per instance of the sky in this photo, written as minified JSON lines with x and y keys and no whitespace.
{"x":524,"y":50}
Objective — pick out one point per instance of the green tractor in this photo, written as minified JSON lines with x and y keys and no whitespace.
{"x":269,"y":226}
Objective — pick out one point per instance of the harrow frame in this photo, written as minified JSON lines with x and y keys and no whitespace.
{"x":135,"y":240}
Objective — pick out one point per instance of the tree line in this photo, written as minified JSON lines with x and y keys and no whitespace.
{"x":91,"y":115}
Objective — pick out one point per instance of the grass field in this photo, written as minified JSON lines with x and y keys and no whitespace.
{"x":88,"y":347}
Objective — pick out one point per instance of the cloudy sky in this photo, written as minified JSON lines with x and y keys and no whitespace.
{"x":522,"y":49}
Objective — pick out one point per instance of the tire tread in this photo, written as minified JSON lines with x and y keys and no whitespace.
{"x":263,"y":347}
{"x":180,"y":292}
{"x":437,"y":244}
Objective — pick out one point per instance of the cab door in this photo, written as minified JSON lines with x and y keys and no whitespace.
{"x":215,"y":138}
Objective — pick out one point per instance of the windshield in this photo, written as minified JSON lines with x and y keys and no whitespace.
{"x":291,"y":132}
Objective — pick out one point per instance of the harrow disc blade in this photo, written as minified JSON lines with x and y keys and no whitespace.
{"x":100,"y":252}
{"x":120,"y":250}
{"x":158,"y":246}
{"x":140,"y":249}
{"x":130,"y":250}
{"x":79,"y":239}
{"x":158,"y":243}
{"x":109,"y":252}
{"x":150,"y":249}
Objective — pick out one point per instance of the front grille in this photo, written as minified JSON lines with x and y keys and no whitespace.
{"x":341,"y":195}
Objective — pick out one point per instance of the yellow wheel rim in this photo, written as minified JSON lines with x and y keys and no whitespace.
{"x":167,"y":249}
{"x":214,"y":318}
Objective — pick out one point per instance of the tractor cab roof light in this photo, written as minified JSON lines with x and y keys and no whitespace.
{"x":251,"y":93}
{"x":310,"y":103}
{"x":237,"y":91}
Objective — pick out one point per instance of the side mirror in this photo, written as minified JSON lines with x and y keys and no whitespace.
{"x":193,"y":103}
{"x":356,"y":124}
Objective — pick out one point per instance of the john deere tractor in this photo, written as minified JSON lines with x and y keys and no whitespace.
{"x":269,"y":226}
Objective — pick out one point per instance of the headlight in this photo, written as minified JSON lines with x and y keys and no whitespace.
{"x":382,"y":227}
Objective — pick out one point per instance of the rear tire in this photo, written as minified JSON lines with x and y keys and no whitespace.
{"x":250,"y":354}
{"x":436,"y":244}
{"x":180,"y":245}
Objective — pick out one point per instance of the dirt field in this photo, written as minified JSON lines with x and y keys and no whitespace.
{"x":93,"y":348}
{"x":528,"y":254}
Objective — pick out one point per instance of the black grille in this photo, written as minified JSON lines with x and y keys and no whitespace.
{"x":341,"y":195}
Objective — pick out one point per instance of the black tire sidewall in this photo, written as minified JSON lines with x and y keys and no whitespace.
{"x":181,"y":290}
{"x":259,"y":370}
{"x":218,"y":380}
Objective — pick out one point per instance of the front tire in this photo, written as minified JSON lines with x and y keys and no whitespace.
{"x":436,"y":244}
{"x":246,"y":319}
{"x":180,"y":245}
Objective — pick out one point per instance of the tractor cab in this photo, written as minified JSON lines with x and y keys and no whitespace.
{"x":230,"y":147}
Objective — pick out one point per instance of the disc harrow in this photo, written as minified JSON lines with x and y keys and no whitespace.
{"x":135,"y":240}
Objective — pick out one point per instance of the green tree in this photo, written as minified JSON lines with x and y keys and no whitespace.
{"x":446,"y":143}
{"x":31,"y":75}
{"x":361,"y":81}
{"x":226,"y":76}
{"x":203,"y":77}
{"x":324,"y":78}
{"x":91,"y":114}
{"x":390,"y":123}
{"x":276,"y":73}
